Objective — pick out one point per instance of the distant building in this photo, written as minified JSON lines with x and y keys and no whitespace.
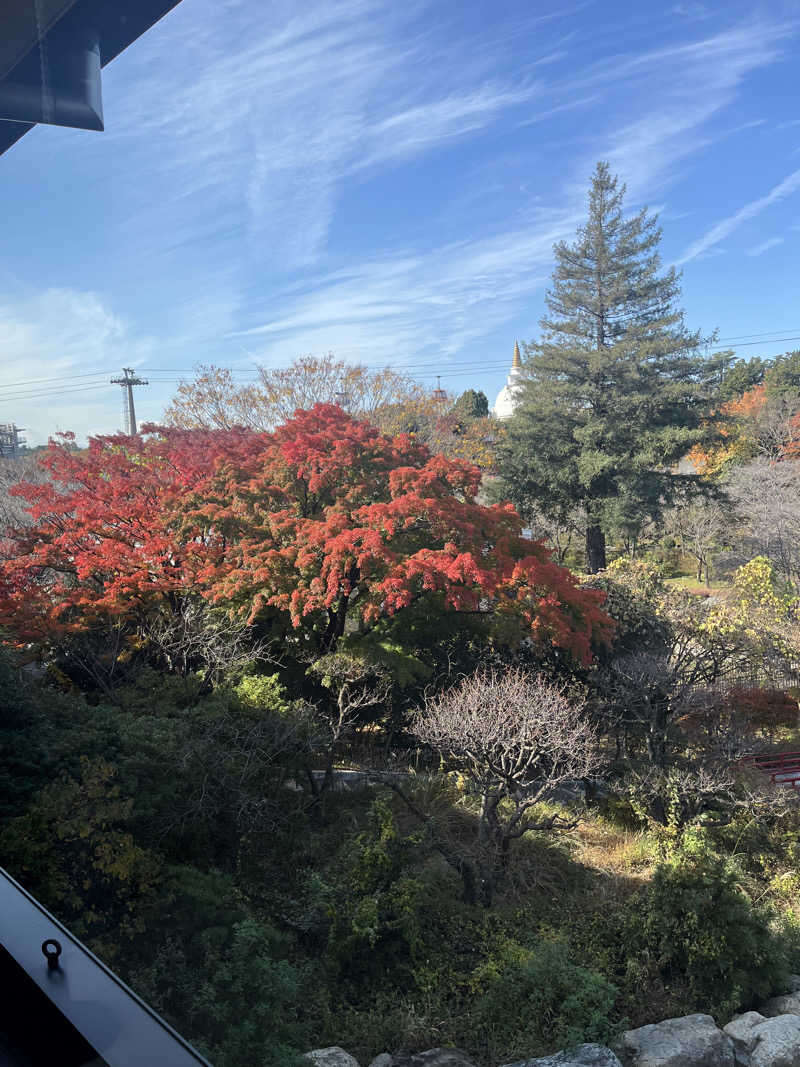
{"x":508,"y":397}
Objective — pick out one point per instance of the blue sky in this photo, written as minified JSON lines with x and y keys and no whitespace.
{"x":386,"y":181}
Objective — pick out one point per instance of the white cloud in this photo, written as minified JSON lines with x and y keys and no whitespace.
{"x":400,"y":309}
{"x":726,"y":227}
{"x":676,"y":92}
{"x":60,"y":348}
{"x":759,"y":250}
{"x":263,"y":124}
{"x":241,"y":124}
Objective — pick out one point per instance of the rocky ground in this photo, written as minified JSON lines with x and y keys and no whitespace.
{"x":766,"y":1038}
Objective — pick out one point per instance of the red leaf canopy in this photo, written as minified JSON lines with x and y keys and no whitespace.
{"x":325,"y":519}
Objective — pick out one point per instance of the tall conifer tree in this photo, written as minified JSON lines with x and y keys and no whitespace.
{"x":615,"y":389}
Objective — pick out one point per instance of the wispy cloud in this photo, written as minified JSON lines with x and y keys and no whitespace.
{"x":244,"y":136}
{"x":759,"y":250}
{"x":395,"y":310}
{"x":261,"y":137}
{"x":678,"y":91}
{"x":726,"y":227}
{"x":60,"y":347}
{"x":269,"y":130}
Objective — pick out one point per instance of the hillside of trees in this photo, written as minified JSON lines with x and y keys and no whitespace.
{"x":537,"y":653}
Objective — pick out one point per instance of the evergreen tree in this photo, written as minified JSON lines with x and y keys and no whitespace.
{"x":472,"y":405}
{"x":615,"y":390}
{"x":741,"y":376}
{"x":783,"y":377}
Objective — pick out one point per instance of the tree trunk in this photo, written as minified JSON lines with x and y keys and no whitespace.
{"x":657,"y":735}
{"x":595,"y":549}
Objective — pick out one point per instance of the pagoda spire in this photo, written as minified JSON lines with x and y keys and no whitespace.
{"x":516,"y":362}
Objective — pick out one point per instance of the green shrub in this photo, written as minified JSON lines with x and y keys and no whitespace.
{"x":370,"y":908}
{"x":74,"y":850}
{"x":699,"y":925}
{"x":234,"y":994}
{"x":262,"y":692}
{"x":538,"y":999}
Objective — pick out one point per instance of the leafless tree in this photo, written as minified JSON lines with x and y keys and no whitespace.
{"x":643,"y":694}
{"x":14,"y":472}
{"x":711,"y":792}
{"x":193,"y":636}
{"x":703,"y":529}
{"x":514,"y":739}
{"x":775,"y":424}
{"x":766,"y":495}
{"x":182,"y":635}
{"x":560,"y":531}
{"x":215,"y":399}
{"x":641,"y":697}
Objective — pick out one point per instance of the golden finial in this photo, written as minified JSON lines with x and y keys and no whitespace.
{"x":516,"y":362}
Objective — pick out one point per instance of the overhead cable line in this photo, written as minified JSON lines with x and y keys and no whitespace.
{"x":52,"y":392}
{"x":419,"y":370}
{"x":58,"y":378}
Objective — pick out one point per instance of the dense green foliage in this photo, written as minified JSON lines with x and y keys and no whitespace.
{"x":698,"y":923}
{"x":471,"y":405}
{"x":538,"y":996}
{"x":783,"y":375}
{"x":281,"y":926}
{"x":740,"y":376}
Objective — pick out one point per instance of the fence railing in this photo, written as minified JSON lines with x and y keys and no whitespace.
{"x":783,"y":768}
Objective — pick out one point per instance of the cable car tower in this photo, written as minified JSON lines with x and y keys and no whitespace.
{"x":127,"y":382}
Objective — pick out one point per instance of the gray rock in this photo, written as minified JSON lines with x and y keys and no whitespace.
{"x":793,"y":983}
{"x":590,"y":1055}
{"x":331,"y":1057}
{"x":383,"y":1060}
{"x":433,"y":1057}
{"x":776,"y":1042}
{"x":740,"y":1029}
{"x":788,"y":1004}
{"x":693,"y":1041}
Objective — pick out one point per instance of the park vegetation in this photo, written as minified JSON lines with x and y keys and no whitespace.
{"x":537,"y":655}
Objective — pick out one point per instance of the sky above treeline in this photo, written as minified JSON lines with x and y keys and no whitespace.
{"x":386,"y":181}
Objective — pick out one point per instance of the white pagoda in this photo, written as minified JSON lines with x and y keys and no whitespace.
{"x":507,"y":397}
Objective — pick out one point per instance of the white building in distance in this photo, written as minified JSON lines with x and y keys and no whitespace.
{"x":507,"y":397}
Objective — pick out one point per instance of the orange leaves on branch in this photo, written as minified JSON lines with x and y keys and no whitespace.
{"x":325,"y":519}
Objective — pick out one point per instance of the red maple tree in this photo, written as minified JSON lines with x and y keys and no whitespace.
{"x":325,"y":520}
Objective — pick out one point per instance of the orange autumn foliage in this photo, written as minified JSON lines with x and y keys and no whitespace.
{"x":732,"y":427}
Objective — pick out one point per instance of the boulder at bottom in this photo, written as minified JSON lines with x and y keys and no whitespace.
{"x":740,"y":1028}
{"x":692,"y":1041}
{"x":590,"y":1055}
{"x":433,"y":1057}
{"x":766,"y":1042}
{"x":788,"y":1004}
{"x":331,"y":1057}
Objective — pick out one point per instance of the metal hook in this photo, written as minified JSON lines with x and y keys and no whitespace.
{"x":52,"y":952}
